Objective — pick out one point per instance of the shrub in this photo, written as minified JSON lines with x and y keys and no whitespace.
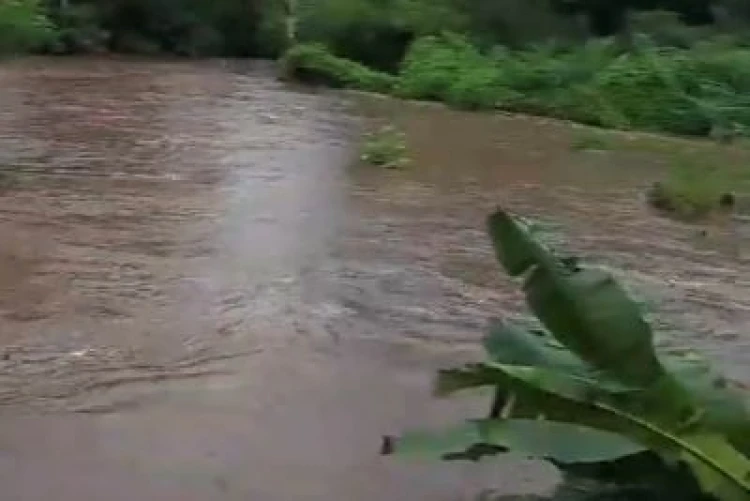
{"x":23,"y":26}
{"x":688,"y":92}
{"x":360,"y":30}
{"x":78,"y":30}
{"x":480,"y":88}
{"x":666,"y":29}
{"x":313,"y":63}
{"x":645,"y":90}
{"x":433,"y":64}
{"x":376,"y":33}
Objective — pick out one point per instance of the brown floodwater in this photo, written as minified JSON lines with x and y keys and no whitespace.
{"x":203,"y":295}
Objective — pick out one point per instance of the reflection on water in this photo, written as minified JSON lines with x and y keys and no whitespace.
{"x":201,"y":297}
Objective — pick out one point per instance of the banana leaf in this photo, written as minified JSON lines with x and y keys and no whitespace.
{"x":561,"y":443}
{"x":522,"y":399}
{"x":724,"y":406}
{"x":585,"y":309}
{"x":721,"y":470}
{"x":596,"y":370}
{"x":511,"y":344}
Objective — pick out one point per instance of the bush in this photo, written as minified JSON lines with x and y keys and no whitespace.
{"x":435,"y":63}
{"x":360,"y":30}
{"x":78,"y":30}
{"x":480,"y":88}
{"x":676,"y":91}
{"x":313,"y":63}
{"x":693,"y":92}
{"x":376,"y":33}
{"x":666,"y":29}
{"x":645,"y":90}
{"x":23,"y":26}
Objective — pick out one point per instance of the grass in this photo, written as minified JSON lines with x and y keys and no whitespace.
{"x":692,"y":92}
{"x":313,"y":64}
{"x":385,"y":147}
{"x":694,"y":189}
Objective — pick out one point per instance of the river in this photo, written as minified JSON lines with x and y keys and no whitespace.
{"x":203,"y":295}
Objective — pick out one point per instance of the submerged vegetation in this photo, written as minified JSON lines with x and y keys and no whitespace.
{"x":385,"y":147}
{"x":586,"y":391}
{"x":691,"y":192}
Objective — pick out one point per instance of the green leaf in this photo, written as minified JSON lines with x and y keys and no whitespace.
{"x":575,"y":400}
{"x":532,"y":399}
{"x":596,"y":369}
{"x":585,"y":309}
{"x":725,"y":406}
{"x":515,"y":251}
{"x":718,"y":469}
{"x":538,"y":439}
{"x":721,"y":470}
{"x":510,"y":344}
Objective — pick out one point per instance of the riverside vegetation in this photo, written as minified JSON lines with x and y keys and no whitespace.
{"x":684,"y":69}
{"x":664,"y":77}
{"x":586,"y":391}
{"x":699,"y":92}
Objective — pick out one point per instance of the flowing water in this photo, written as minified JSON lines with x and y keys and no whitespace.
{"x":204,"y":296}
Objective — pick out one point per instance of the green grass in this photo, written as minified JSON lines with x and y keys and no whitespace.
{"x":692,"y":92}
{"x":385,"y":147}
{"x":314,"y":64}
{"x":694,"y":189}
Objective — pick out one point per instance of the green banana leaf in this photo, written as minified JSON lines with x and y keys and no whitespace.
{"x":521,"y":399}
{"x":561,"y":443}
{"x":721,"y":470}
{"x":510,"y":344}
{"x":724,"y":471}
{"x":595,"y":372}
{"x":585,"y":309}
{"x":725,"y":407}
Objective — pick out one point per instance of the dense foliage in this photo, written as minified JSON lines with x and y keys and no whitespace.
{"x":23,"y":25}
{"x":533,"y":56}
{"x":698,"y":91}
{"x":374,"y":32}
{"x":586,"y":390}
{"x":313,"y":64}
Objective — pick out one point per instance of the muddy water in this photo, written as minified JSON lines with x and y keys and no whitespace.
{"x":204,"y":296}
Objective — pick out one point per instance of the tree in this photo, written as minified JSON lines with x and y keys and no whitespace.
{"x":23,"y":25}
{"x":609,"y":17}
